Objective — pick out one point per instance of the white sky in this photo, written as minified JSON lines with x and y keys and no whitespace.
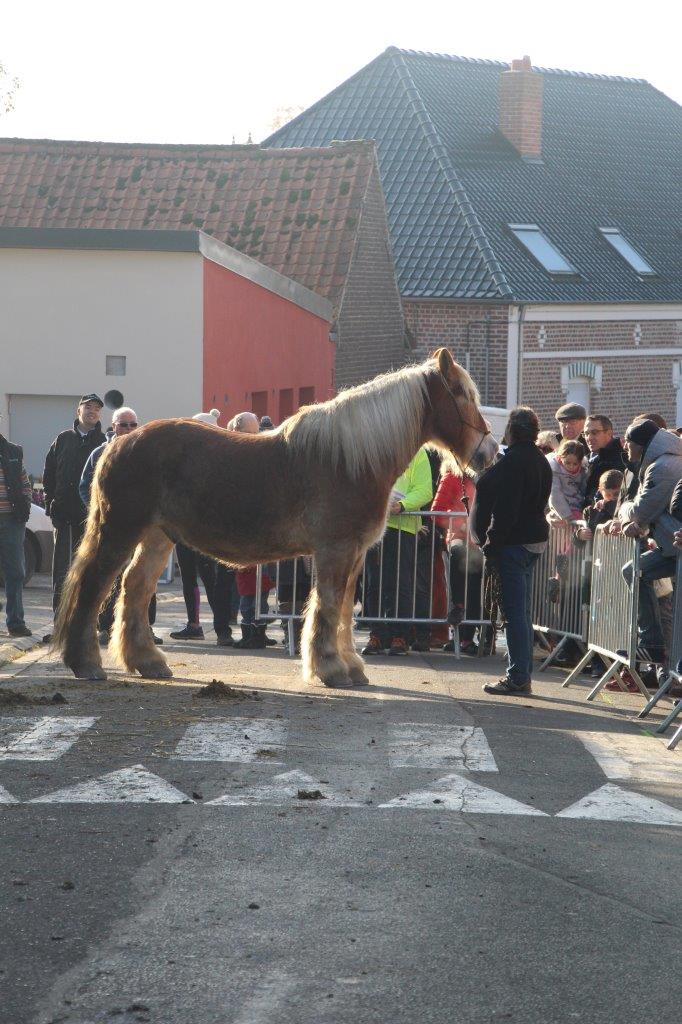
{"x":204,"y":71}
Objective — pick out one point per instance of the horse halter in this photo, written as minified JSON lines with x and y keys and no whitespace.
{"x":465,"y":422}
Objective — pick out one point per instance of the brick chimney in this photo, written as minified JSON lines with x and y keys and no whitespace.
{"x":521,"y":108}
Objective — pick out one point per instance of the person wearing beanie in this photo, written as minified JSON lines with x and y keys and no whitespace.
{"x":211,"y":417}
{"x":659,"y":455}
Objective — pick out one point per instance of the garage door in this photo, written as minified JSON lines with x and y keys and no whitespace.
{"x":35,"y":421}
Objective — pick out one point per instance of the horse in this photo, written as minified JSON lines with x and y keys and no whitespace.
{"x":317,"y":485}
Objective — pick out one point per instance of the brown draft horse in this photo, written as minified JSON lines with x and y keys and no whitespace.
{"x":318,"y":485}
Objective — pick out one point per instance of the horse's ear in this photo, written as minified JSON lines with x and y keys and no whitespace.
{"x":446,"y":363}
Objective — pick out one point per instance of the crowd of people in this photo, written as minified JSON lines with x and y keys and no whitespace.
{"x":581,"y":475}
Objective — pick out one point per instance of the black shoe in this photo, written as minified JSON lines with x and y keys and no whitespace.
{"x":225,"y":639}
{"x":190,"y":632}
{"x":157,"y":639}
{"x":19,"y":631}
{"x":449,"y":647}
{"x":469,"y":648}
{"x":505,"y":689}
{"x":269,"y":641}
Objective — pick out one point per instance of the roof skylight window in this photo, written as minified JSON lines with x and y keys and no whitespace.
{"x":538,"y":245}
{"x":614,"y":237}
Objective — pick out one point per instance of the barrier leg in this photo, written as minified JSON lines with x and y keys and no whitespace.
{"x":675,"y":739}
{"x":669,"y":719}
{"x":553,"y":653}
{"x":653,"y":701}
{"x":291,"y":637}
{"x":578,"y":669}
{"x":610,"y":672}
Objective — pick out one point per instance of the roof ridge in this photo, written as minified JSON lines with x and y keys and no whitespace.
{"x":478,"y":235}
{"x":505,"y":64}
{"x":221,"y":151}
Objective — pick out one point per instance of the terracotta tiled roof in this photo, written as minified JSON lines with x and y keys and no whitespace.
{"x":295,"y":210}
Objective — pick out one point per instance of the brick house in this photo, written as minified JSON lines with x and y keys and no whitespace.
{"x":534,"y":216}
{"x":314,"y":215}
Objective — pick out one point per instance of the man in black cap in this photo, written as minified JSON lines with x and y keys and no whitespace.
{"x":63,"y":468}
{"x":653,"y":511}
{"x":571,"y":419}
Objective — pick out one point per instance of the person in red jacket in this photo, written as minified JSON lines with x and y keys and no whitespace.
{"x":455,"y":493}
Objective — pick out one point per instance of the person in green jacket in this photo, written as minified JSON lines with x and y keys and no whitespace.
{"x":411,"y":491}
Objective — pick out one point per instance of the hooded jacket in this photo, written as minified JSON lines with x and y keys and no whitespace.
{"x":660,"y":472}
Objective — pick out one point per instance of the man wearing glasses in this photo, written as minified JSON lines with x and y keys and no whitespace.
{"x":123,"y":422}
{"x":606,"y":452}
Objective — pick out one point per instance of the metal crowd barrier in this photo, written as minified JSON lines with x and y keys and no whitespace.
{"x":612,"y":629}
{"x":424,"y":552}
{"x":675,"y":671}
{"x":560,"y":585}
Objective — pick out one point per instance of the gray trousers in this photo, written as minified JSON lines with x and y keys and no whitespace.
{"x":67,"y":537}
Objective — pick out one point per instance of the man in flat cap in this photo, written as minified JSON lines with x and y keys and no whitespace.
{"x":63,"y":468}
{"x":571,"y":419}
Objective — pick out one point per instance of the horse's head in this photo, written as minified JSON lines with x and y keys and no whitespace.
{"x":456,"y":420}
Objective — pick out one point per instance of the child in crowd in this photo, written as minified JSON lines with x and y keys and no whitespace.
{"x":569,"y":477}
{"x":603,"y":508}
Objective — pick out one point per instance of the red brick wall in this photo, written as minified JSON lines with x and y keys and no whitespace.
{"x":630,"y":384}
{"x":461,"y":327}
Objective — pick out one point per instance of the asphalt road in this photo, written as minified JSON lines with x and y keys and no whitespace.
{"x":293,"y":855}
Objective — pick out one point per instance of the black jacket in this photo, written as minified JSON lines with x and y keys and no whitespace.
{"x":63,"y":468}
{"x":611,"y":456}
{"x":12,"y":462}
{"x":511,"y":498}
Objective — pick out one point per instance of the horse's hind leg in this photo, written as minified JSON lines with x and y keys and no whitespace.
{"x":319,"y":642}
{"x":354,"y":663}
{"x":100,"y":556}
{"x":132,"y":639}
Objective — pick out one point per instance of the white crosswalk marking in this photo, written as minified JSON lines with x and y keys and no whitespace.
{"x":129,"y":785}
{"x":440,"y":746}
{"x":40,"y":739}
{"x":457,"y":793}
{"x":241,"y":740}
{"x":285,"y":788}
{"x":611,"y":803}
{"x":5,"y":797}
{"x":632,"y":756}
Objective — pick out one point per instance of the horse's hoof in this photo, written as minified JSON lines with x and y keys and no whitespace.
{"x":155,"y":671}
{"x":95,"y":673}
{"x":359,"y":679}
{"x":337,"y":681}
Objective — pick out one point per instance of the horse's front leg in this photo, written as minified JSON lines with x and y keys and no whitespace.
{"x":320,"y":638}
{"x":132,"y":640}
{"x":354,"y":663}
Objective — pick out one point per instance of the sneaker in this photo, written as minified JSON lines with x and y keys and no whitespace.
{"x":103,"y":637}
{"x":504,"y":688}
{"x":373,"y":645}
{"x":19,"y":631}
{"x":190,"y":632}
{"x":398,"y":646}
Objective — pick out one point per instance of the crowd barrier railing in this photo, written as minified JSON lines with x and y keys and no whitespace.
{"x":410,"y":561}
{"x":560,"y":589}
{"x":674,"y":675}
{"x":612,"y":627}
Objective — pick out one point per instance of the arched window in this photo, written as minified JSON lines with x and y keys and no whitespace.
{"x":578,"y":379}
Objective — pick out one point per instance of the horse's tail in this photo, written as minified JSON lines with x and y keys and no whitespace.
{"x":71,"y":590}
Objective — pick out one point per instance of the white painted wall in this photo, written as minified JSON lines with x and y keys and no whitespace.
{"x":64,"y":311}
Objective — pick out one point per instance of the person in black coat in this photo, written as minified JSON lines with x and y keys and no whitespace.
{"x":61,"y":479}
{"x":509,"y":524}
{"x":15,"y":508}
{"x":606,"y":452}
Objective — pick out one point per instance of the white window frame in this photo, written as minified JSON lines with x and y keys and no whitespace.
{"x":570,"y":270}
{"x":609,"y":234}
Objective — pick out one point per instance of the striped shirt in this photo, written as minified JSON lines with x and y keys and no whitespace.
{"x":5,"y":503}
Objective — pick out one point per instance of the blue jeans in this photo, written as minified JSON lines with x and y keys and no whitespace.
{"x":12,"y":535}
{"x":516,"y":565}
{"x":654,"y":565}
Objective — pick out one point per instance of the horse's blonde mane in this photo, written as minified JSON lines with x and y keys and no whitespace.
{"x":365,"y":426}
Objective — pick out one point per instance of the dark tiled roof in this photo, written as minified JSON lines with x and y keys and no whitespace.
{"x":296,"y":211}
{"x":612,"y":152}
